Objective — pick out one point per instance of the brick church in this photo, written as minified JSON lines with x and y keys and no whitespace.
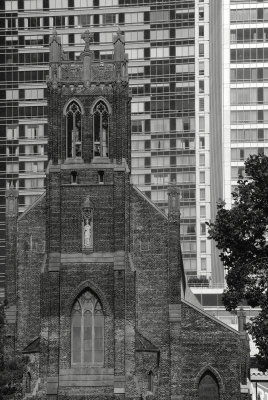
{"x":96,"y":292}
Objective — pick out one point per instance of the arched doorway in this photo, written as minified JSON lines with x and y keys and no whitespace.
{"x":208,"y":388}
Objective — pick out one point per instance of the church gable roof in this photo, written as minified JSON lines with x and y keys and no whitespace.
{"x":143,"y":344}
{"x":211,"y":317}
{"x":191,"y":298}
{"x":148,"y":201}
{"x":33,"y":347}
{"x":35,"y":204}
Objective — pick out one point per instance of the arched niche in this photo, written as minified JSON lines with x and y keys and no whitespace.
{"x":87,"y":225}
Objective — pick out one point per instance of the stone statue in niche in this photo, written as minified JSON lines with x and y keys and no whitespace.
{"x":87,"y":224}
{"x":87,"y":233}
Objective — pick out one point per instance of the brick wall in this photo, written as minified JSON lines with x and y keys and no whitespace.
{"x":134,"y":290}
{"x":31,"y":254}
{"x":117,"y":96}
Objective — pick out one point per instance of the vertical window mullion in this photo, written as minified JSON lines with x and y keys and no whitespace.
{"x":82,"y":336}
{"x":93,"y":336}
{"x":108,"y":136}
{"x":101,"y":138}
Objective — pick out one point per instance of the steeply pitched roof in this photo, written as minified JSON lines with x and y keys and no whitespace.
{"x":146,"y":199}
{"x":33,"y":347}
{"x":143,"y":344}
{"x":191,"y":298}
{"x":35,"y":203}
{"x":206,"y":314}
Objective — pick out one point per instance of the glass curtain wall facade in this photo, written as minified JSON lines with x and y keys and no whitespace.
{"x":246,"y":86}
{"x":168,"y":47}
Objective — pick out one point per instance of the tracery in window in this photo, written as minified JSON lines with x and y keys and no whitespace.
{"x":87,"y":330}
{"x":73,"y":122}
{"x":101,"y":130}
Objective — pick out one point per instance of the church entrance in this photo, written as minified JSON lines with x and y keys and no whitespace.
{"x":208,"y":388}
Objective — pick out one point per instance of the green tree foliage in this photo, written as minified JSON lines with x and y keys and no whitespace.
{"x":241,"y":235}
{"x":11,"y":368}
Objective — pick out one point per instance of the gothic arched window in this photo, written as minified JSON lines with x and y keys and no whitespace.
{"x":87,"y":330}
{"x":208,"y":387}
{"x":101,"y":129}
{"x":73,"y":125}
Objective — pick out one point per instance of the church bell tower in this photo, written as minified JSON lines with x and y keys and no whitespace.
{"x":88,"y":208}
{"x":89,"y":144}
{"x":89,"y":105}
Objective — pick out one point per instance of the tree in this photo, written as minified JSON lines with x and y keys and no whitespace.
{"x":11,"y":368}
{"x":241,"y":235}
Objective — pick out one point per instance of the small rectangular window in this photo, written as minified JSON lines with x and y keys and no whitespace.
{"x":159,"y":16}
{"x":147,"y":161}
{"x":71,"y":38}
{"x":109,"y":19}
{"x":203,"y":264}
{"x":201,"y":104}
{"x":201,"y":13}
{"x":202,"y":194}
{"x":201,"y":123}
{"x":201,"y":86}
{"x":202,"y":159}
{"x":147,"y":145}
{"x":96,"y":19}
{"x":260,"y":135}
{"x":201,"y":68}
{"x":11,"y":5}
{"x":202,"y":228}
{"x":147,"y":179}
{"x":202,"y":177}
{"x":203,"y":246}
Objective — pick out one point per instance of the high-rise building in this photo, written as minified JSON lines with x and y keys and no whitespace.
{"x":245,"y":78}
{"x":171,"y":72}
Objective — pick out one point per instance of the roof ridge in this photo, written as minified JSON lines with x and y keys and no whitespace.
{"x":32,"y":206}
{"x":149,"y":201}
{"x":202,"y":311}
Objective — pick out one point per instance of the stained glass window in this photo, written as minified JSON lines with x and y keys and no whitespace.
{"x":87,"y":330}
